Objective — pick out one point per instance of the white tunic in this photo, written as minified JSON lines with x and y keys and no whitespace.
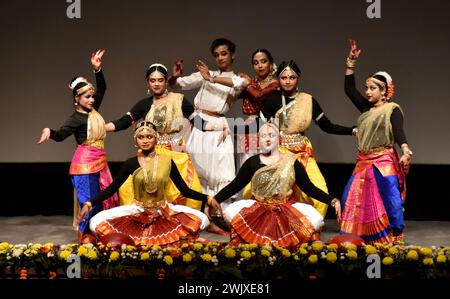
{"x":213,"y":159}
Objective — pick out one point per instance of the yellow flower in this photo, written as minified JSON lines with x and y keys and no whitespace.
{"x":285,"y":253}
{"x":351,"y":246}
{"x":412,"y":255}
{"x":317,"y":246}
{"x":265,"y":252}
{"x":168,"y":259}
{"x":230,"y":253}
{"x":332,"y":247}
{"x":428,"y":261}
{"x":4,"y":246}
{"x":92,"y":254}
{"x":370,"y":249}
{"x":114,"y":256}
{"x":130,"y":248}
{"x":246,"y":254}
{"x":145,"y":256}
{"x":304,"y":245}
{"x":441,"y":259}
{"x":197,"y":246}
{"x":331,"y":257}
{"x":312,"y":259}
{"x":303,"y":251}
{"x":187,"y":258}
{"x":185,"y":245}
{"x":352,"y":255}
{"x":65,"y":254}
{"x":206,"y":257}
{"x":427,"y":252}
{"x":36,"y":246}
{"x":296,"y":258}
{"x":388,"y":261}
{"x":82,"y":250}
{"x":252,"y":246}
{"x":393,"y":250}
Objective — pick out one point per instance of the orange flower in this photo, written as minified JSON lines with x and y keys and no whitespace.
{"x":390,"y":92}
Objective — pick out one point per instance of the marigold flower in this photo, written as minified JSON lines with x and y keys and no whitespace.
{"x":114,"y":256}
{"x":206,"y":257}
{"x":92,"y":254}
{"x":317,"y":246}
{"x":427,"y":252}
{"x":352,"y":255}
{"x":168,"y":260}
{"x":332,"y":247}
{"x":187,"y":258}
{"x":65,"y":254}
{"x":265,"y":252}
{"x":230,"y":253}
{"x":370,"y":250}
{"x":82,"y":250}
{"x":246,"y":254}
{"x":388,"y":261}
{"x":304,"y":245}
{"x":441,"y":259}
{"x":412,"y":255}
{"x":331,"y":257}
{"x":313,"y":258}
{"x":303,"y":251}
{"x":428,"y":261}
{"x":393,"y":250}
{"x":286,"y":253}
{"x":197,"y":246}
{"x":351,"y":246}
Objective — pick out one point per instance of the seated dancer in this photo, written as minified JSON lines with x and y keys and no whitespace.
{"x":294,"y":111}
{"x":374,"y":195}
{"x":274,"y":215}
{"x":150,"y":220}
{"x":167,"y":111}
{"x":89,"y":170}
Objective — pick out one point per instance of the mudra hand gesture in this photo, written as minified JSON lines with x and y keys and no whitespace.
{"x":354,"y":51}
{"x":96,"y":59}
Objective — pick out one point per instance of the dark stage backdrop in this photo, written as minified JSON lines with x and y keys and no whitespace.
{"x":42,"y":49}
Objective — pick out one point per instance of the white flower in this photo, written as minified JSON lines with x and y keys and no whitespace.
{"x":63,"y":247}
{"x":123,"y":247}
{"x":17,"y":252}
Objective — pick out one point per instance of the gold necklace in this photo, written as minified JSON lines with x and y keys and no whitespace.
{"x":150,"y":187}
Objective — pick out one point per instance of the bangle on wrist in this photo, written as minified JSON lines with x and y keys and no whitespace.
{"x":354,"y":131}
{"x":351,"y":63}
{"x":333,"y":202}
{"x":210,"y":199}
{"x":211,"y":79}
{"x":89,"y":205}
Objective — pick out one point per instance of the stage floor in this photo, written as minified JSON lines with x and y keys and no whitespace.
{"x":58,"y":230}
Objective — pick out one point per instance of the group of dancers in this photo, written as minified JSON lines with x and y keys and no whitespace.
{"x":184,"y":169}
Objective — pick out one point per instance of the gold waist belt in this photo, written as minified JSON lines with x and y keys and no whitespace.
{"x":97,"y":143}
{"x":150,"y":204}
{"x":272,"y":200}
{"x":293,"y":140}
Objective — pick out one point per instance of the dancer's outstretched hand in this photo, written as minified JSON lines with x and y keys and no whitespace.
{"x":177,"y":69}
{"x":354,"y":51}
{"x":203,"y":69}
{"x":96,"y":59}
{"x":45,"y":135}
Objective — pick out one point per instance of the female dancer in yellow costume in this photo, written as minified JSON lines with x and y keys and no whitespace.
{"x":167,"y":110}
{"x":293,"y":111}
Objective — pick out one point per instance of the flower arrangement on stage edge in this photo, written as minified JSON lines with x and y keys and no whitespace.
{"x":222,"y":261}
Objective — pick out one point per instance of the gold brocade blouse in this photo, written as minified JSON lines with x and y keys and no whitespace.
{"x":96,"y":130}
{"x":140,"y":182}
{"x":375,"y":128}
{"x":167,"y":116}
{"x":296,"y":116}
{"x":272,"y":184}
